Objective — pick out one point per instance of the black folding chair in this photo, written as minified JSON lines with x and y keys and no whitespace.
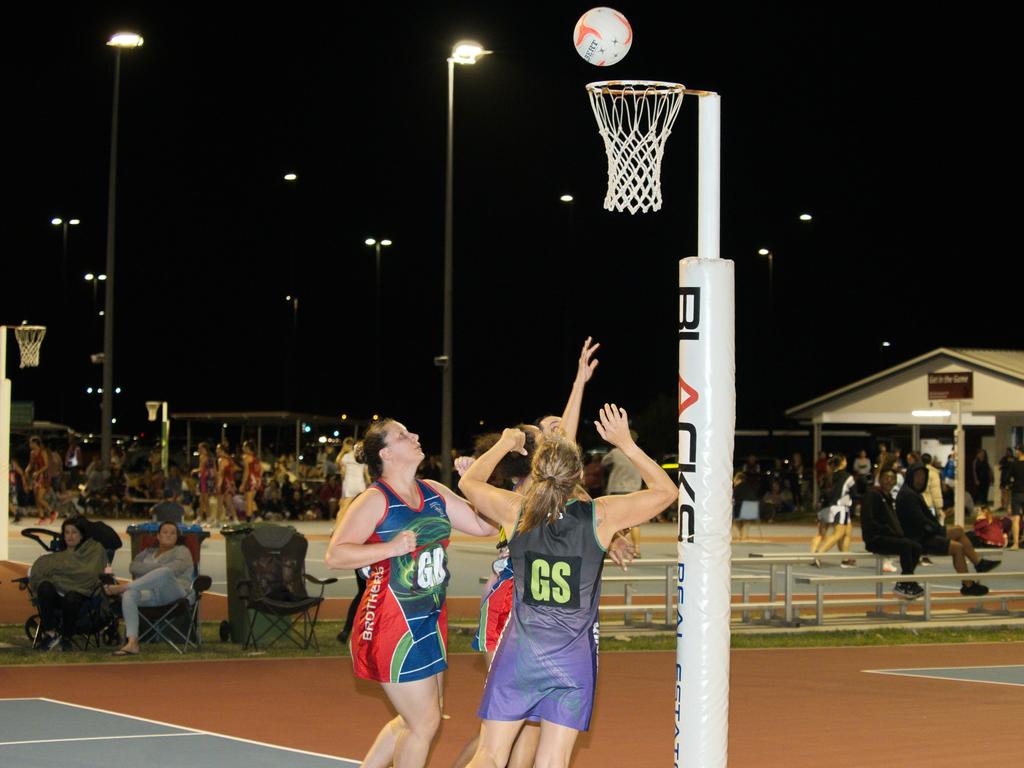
{"x":275,"y":558}
{"x":95,"y":623}
{"x":177,"y":623}
{"x":164,"y":623}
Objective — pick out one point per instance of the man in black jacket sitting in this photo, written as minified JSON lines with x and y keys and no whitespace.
{"x":883,"y":534}
{"x":919,"y":524}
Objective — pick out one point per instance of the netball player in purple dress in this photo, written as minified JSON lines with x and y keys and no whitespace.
{"x":545,"y":668}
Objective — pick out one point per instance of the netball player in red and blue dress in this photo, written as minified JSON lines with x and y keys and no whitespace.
{"x":205,"y":474}
{"x":545,"y":667}
{"x":400,"y":527}
{"x":252,"y":477}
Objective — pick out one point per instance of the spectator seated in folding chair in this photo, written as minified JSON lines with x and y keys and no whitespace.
{"x":64,"y":586}
{"x":275,"y":559}
{"x":165,"y":587}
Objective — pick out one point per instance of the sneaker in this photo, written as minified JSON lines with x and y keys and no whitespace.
{"x":51,"y":643}
{"x":850,"y":563}
{"x":888,"y":566}
{"x":908,"y":590}
{"x":975,"y":590}
{"x":984,"y":566}
{"x":816,"y":563}
{"x":926,"y":561}
{"x":343,"y":636}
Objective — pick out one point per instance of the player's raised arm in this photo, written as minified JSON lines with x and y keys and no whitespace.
{"x":584,"y":370}
{"x":617,"y":512}
{"x":495,"y":503}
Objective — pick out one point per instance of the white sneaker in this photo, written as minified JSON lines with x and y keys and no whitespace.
{"x":888,"y":566}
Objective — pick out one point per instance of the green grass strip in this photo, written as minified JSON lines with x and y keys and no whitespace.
{"x":15,"y":650}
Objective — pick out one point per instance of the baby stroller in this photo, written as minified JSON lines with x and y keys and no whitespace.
{"x":96,"y":623}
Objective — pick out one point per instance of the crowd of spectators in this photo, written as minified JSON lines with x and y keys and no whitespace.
{"x":54,"y":483}
{"x":55,"y":480}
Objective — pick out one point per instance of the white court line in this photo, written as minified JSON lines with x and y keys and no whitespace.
{"x":200,"y":731}
{"x":940,"y":677}
{"x":97,"y":738}
{"x":958,"y":666}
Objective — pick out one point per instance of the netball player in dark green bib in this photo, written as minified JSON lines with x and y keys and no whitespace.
{"x":545,"y":667}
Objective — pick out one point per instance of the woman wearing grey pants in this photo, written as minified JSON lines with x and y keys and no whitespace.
{"x":162,"y":574}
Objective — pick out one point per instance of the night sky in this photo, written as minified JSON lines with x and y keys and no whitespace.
{"x":891,"y":127}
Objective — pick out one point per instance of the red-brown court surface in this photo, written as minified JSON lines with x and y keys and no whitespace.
{"x":806,"y":707}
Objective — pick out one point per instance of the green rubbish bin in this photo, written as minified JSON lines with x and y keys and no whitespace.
{"x":237,"y":625}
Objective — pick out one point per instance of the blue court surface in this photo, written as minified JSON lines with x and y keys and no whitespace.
{"x":1009,"y":674}
{"x":45,"y":732}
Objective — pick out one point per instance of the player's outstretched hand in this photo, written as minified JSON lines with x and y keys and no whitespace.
{"x":517,"y":438}
{"x":586,"y":366}
{"x":613,"y":425}
{"x":621,"y":552}
{"x":403,"y":543}
{"x":462,"y":463}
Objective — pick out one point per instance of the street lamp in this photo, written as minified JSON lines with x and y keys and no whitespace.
{"x":806,"y":217}
{"x":64,"y":224}
{"x":771,"y":278}
{"x":377,"y":245}
{"x":63,"y":328}
{"x":120,"y":42}
{"x":464,"y":52}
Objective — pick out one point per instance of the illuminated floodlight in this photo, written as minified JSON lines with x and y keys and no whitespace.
{"x":466,"y":52}
{"x":126,"y":40}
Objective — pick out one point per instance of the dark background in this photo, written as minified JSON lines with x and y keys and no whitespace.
{"x":891,"y":126}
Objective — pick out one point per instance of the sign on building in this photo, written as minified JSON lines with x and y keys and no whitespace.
{"x":951,"y":386}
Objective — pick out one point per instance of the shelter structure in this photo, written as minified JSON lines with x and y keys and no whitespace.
{"x":946,"y":387}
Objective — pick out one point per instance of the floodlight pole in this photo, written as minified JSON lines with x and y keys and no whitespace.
{"x":165,"y":438}
{"x":462,"y":53}
{"x":5,"y":443}
{"x":107,"y":411}
{"x":446,"y":363}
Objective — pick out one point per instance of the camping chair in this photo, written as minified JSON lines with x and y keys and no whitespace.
{"x":275,"y":559}
{"x":95,"y":623}
{"x":177,"y":623}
